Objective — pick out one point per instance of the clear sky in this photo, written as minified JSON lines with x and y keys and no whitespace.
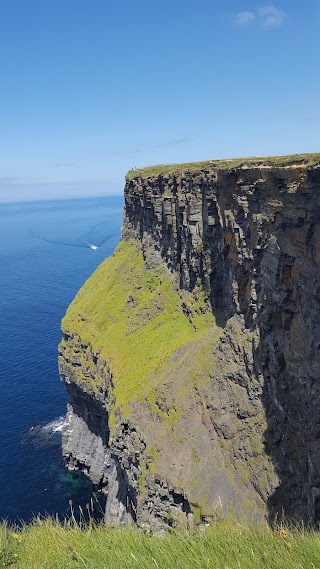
{"x":92,"y":88}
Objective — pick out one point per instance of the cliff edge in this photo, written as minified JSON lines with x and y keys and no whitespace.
{"x":191,"y":356}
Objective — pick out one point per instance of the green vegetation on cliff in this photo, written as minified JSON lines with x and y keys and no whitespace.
{"x":47,"y":544}
{"x":161,"y":345}
{"x":227,"y":164}
{"x":132,"y":312}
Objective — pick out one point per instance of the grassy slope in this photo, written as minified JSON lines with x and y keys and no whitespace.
{"x":133,"y":315}
{"x":227,"y":545}
{"x":303,"y":159}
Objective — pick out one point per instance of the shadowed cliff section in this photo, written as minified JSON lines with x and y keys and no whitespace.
{"x":207,"y":319}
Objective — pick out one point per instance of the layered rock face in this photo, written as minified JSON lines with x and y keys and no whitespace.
{"x":228,"y":419}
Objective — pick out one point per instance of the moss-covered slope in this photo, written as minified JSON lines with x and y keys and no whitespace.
{"x":161,"y":347}
{"x":132,"y":312}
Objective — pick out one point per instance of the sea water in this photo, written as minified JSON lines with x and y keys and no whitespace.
{"x":47,"y":251}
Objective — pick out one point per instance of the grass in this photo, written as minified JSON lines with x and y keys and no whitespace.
{"x":159,"y":343}
{"x":150,"y":333}
{"x":227,"y":164}
{"x":47,"y":544}
{"x":133,"y":315}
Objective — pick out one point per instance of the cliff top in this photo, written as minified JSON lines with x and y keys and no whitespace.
{"x":227,"y":164}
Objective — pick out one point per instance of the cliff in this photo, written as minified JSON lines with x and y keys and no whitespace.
{"x":191,"y":356}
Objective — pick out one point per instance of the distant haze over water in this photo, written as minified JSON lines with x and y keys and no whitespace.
{"x":47,"y":250}
{"x":20,"y":190}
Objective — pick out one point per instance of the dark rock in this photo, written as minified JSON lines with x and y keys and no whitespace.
{"x":249,"y":237}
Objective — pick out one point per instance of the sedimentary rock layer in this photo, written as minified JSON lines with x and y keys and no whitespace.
{"x":192,"y":355}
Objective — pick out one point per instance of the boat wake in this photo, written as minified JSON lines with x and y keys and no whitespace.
{"x":81,"y":242}
{"x":56,"y":242}
{"x":93,"y":247}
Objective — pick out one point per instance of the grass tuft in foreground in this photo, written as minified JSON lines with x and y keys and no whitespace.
{"x":228,"y":545}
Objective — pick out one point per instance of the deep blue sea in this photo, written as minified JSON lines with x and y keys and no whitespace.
{"x":46,"y":255}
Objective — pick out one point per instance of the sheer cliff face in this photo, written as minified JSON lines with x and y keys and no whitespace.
{"x":228,"y":418}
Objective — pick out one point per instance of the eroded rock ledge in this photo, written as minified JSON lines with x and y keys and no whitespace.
{"x":192,"y":355}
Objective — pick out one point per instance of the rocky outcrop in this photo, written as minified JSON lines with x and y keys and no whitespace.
{"x":230,"y":419}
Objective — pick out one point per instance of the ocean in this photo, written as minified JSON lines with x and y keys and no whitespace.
{"x":47,"y":251}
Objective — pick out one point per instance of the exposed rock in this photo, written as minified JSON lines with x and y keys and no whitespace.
{"x":230,"y":420}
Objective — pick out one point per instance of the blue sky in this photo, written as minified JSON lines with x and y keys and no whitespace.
{"x":92,"y":88}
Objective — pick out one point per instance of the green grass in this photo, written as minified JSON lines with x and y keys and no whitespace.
{"x":132,"y":313}
{"x":227,"y":164}
{"x":227,"y":545}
